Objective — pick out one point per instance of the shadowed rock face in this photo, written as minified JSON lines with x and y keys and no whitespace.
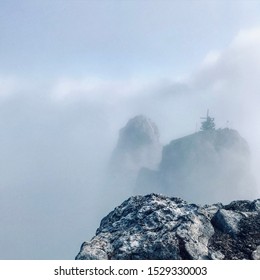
{"x":208,"y":166}
{"x":159,"y":227}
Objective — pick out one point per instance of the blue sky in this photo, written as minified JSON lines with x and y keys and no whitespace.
{"x":73,"y":72}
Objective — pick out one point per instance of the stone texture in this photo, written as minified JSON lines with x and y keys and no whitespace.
{"x":159,"y":227}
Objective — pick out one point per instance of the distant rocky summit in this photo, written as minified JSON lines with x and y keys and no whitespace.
{"x":208,"y":166}
{"x":138,"y":146}
{"x":211,"y":164}
{"x":167,"y":228}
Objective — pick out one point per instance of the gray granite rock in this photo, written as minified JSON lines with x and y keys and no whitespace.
{"x":256,"y":253}
{"x":160,"y":227}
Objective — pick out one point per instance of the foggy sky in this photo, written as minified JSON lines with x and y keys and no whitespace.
{"x":73,"y":72}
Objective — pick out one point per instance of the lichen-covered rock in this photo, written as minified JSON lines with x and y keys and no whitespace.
{"x":159,"y":227}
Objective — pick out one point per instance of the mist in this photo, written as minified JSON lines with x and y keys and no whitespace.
{"x":55,"y":149}
{"x":73,"y":74}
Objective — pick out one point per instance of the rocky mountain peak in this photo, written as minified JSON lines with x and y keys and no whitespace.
{"x":207,"y":166}
{"x":139,"y":131}
{"x":138,"y":146}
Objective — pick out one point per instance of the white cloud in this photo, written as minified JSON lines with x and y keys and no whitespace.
{"x":247,"y":37}
{"x":211,"y":58}
{"x":238,"y":65}
{"x":66,"y":88}
{"x":95,"y":89}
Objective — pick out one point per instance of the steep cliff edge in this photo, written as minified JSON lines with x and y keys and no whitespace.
{"x":159,"y":227}
{"x":207,"y":166}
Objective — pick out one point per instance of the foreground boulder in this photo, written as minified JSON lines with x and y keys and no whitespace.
{"x":168,"y":228}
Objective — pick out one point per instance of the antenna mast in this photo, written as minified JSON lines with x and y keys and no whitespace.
{"x":208,"y":123}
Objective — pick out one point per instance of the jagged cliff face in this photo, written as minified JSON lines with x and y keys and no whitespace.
{"x":138,"y":146}
{"x":160,"y":227}
{"x":208,"y":166}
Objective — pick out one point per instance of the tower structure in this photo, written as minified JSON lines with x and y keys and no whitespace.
{"x":208,"y":123}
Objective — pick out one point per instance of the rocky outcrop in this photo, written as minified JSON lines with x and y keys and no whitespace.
{"x":138,"y":146}
{"x":204,"y":167}
{"x":168,"y":228}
